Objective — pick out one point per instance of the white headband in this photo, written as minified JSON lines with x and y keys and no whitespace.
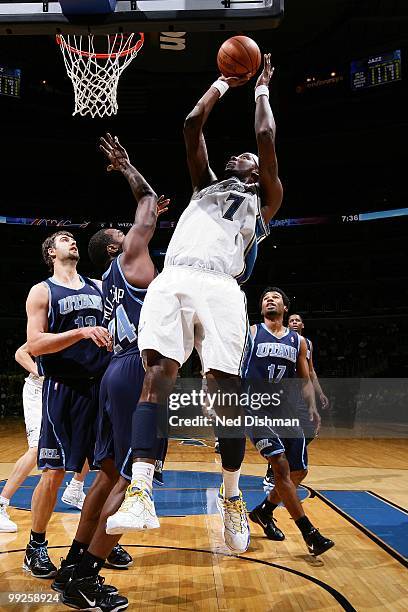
{"x":255,"y":158}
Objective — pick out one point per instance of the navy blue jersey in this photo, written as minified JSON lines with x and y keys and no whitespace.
{"x":122,"y":305}
{"x":70,"y":309}
{"x":271,"y":358}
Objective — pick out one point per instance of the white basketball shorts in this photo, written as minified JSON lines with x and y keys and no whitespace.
{"x":187,"y":307}
{"x":32,"y":404}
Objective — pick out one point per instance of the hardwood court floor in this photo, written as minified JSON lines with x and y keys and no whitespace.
{"x":185,"y":566}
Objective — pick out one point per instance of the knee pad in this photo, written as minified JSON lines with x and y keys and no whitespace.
{"x":232,"y":451}
{"x":144,"y":431}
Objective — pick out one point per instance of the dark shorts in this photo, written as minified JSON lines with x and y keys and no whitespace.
{"x":294,"y":448}
{"x":121,"y":387}
{"x":306,"y":424}
{"x":69,"y":415}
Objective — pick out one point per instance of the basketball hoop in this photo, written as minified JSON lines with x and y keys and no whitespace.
{"x":95,"y":75}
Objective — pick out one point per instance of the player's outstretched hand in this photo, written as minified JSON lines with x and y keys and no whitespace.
{"x":99,"y":335}
{"x":235,"y":81}
{"x":162,"y":205}
{"x":267,"y":72}
{"x":116,"y":154}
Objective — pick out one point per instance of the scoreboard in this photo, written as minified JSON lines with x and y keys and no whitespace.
{"x":376,"y":70}
{"x":10,"y":82}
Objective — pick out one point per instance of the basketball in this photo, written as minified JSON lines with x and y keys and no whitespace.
{"x":239,"y":56}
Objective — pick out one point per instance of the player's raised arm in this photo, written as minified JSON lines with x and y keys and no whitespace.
{"x":135,"y":260}
{"x":197,"y":156}
{"x":265,"y":130}
{"x":40,"y":342}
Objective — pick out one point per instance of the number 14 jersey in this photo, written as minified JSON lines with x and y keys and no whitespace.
{"x":220,"y":230}
{"x":122,"y":305}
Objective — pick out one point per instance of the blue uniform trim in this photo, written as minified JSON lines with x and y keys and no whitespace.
{"x":249,"y":263}
{"x":105,"y":274}
{"x":128,"y":285}
{"x":273,"y":335}
{"x":54,"y":282}
{"x":53,"y":467}
{"x":124,"y":278}
{"x":122,"y":471}
{"x":262,"y":229}
{"x":253,"y":338}
{"x":248,"y":331}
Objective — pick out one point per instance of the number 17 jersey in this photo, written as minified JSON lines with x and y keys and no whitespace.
{"x":122,"y":305}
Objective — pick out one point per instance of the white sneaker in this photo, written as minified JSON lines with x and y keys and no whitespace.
{"x":136,"y":512}
{"x":74,"y":494}
{"x":6,"y":524}
{"x":236,"y":528}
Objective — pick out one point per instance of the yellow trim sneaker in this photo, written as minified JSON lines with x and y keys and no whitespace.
{"x":236,"y":528}
{"x":137,"y":512}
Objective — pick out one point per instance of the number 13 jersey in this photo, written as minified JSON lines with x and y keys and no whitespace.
{"x":122,"y":306}
{"x":220,"y":230}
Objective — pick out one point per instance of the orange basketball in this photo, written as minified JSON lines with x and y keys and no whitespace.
{"x":239,"y":56}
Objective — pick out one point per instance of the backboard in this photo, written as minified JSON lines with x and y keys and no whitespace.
{"x":32,"y":17}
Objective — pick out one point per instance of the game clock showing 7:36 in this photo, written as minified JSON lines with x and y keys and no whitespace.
{"x":350,"y":218}
{"x":10,"y":82}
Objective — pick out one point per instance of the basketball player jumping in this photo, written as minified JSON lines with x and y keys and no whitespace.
{"x":64,"y":329}
{"x":196,"y":300}
{"x":128,"y":272}
{"x":278,"y":354}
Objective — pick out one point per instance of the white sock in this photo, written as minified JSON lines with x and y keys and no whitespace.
{"x":143,"y":473}
{"x":4,"y":501}
{"x":77,"y":483}
{"x":231,"y":483}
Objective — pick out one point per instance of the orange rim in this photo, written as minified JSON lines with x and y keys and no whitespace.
{"x":123,"y":53}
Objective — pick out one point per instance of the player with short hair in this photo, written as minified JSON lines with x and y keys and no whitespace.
{"x":197,"y":300}
{"x":64,"y":331}
{"x":128,"y":271}
{"x":295,"y":323}
{"x":277,"y":355}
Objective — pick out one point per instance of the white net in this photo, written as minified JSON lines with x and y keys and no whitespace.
{"x":94,"y":65}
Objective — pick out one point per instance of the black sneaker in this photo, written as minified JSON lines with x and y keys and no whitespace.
{"x":158,"y":478}
{"x":88,"y":594}
{"x":119,"y":558}
{"x":269,"y":480}
{"x":217,"y":447}
{"x":267,"y":522}
{"x":66,"y":573}
{"x":316,"y":543}
{"x":37,"y":561}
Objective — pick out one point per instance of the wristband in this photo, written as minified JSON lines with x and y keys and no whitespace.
{"x":221,"y":86}
{"x":261,"y":90}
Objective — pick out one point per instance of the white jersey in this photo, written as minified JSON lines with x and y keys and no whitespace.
{"x":219,"y":230}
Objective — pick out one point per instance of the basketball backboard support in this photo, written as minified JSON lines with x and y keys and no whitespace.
{"x":32,"y":17}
